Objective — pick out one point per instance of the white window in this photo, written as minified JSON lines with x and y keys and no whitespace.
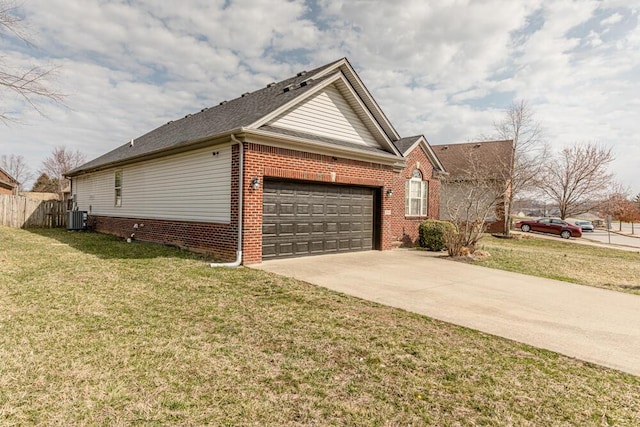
{"x":416,"y":195}
{"x":118,"y":189}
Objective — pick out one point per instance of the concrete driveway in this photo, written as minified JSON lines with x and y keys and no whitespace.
{"x":588,"y":323}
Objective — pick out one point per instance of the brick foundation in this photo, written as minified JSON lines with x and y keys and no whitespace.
{"x":218,"y":240}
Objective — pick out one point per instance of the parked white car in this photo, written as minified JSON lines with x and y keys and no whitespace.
{"x":584,"y":225}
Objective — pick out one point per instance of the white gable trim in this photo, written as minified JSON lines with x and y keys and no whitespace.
{"x":351,"y":75}
{"x":431,"y":155}
{"x":318,"y":147}
{"x":343,"y":84}
{"x":330,"y":114}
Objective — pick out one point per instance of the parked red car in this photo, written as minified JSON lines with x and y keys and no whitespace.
{"x":551,"y":226}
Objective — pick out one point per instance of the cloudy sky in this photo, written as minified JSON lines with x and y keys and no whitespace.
{"x":446,"y":69}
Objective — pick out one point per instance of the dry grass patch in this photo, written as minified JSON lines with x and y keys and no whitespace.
{"x":94,"y":331}
{"x":587,"y":265}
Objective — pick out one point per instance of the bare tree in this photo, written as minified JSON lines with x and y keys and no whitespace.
{"x":17,"y":168}
{"x":529,"y":154}
{"x":60,"y":162}
{"x":471,"y":199}
{"x":578,"y":176}
{"x":29,"y":83}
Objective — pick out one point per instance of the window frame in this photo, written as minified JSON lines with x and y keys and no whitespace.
{"x":117,"y":187}
{"x":412,"y":185}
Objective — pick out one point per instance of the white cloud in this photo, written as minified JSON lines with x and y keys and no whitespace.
{"x":612,"y":19}
{"x":129,"y":66}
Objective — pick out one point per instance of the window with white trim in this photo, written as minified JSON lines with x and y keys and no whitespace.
{"x":118,"y":188}
{"x":416,"y":195}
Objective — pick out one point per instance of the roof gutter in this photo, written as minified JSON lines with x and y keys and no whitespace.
{"x":319,"y":147}
{"x":182,"y":147}
{"x":238,"y":260}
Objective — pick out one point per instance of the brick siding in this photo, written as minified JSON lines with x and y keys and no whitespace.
{"x":407,"y":226}
{"x":262,"y":162}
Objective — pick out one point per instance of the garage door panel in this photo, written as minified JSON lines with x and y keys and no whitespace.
{"x":302,"y":247}
{"x":285,"y":229}
{"x":302,"y":208}
{"x":307,"y":218}
{"x":268,"y":250}
{"x":269,"y":229}
{"x":285,"y":248}
{"x":344,"y":227}
{"x":269,"y":209}
{"x":285,"y":209}
{"x":303,"y":229}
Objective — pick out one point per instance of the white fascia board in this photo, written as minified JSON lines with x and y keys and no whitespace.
{"x":219,"y":140}
{"x":385,"y":138}
{"x":433,"y":158}
{"x":318,"y":147}
{"x":435,"y":161}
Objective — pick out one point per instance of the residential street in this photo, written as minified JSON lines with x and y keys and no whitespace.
{"x":597,"y":238}
{"x":603,"y":236}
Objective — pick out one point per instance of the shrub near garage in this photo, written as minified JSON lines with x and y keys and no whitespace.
{"x":432,"y":234}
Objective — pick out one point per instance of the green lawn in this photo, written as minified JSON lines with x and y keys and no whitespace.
{"x":95,"y":331}
{"x":557,"y":259}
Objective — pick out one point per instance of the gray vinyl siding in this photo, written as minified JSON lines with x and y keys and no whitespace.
{"x":327,"y":114}
{"x":193,"y":186}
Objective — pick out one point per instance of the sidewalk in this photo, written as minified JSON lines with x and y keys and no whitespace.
{"x":627,"y":233}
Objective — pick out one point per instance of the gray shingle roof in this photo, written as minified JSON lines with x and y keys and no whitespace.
{"x":227,"y":116}
{"x":403,"y":144}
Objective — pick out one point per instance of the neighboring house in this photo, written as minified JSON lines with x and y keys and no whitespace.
{"x":8,"y":184}
{"x":476,"y":172}
{"x":305,"y":166}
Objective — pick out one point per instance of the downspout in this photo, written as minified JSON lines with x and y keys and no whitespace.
{"x":238,"y":260}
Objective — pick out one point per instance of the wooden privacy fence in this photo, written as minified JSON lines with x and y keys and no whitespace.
{"x":21,"y":212}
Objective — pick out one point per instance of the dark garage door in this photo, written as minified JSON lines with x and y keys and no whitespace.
{"x":307,"y":219}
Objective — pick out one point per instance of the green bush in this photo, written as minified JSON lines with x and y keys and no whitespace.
{"x":432,"y":234}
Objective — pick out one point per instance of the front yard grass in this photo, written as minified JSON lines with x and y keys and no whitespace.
{"x":95,"y":331}
{"x":587,"y":265}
